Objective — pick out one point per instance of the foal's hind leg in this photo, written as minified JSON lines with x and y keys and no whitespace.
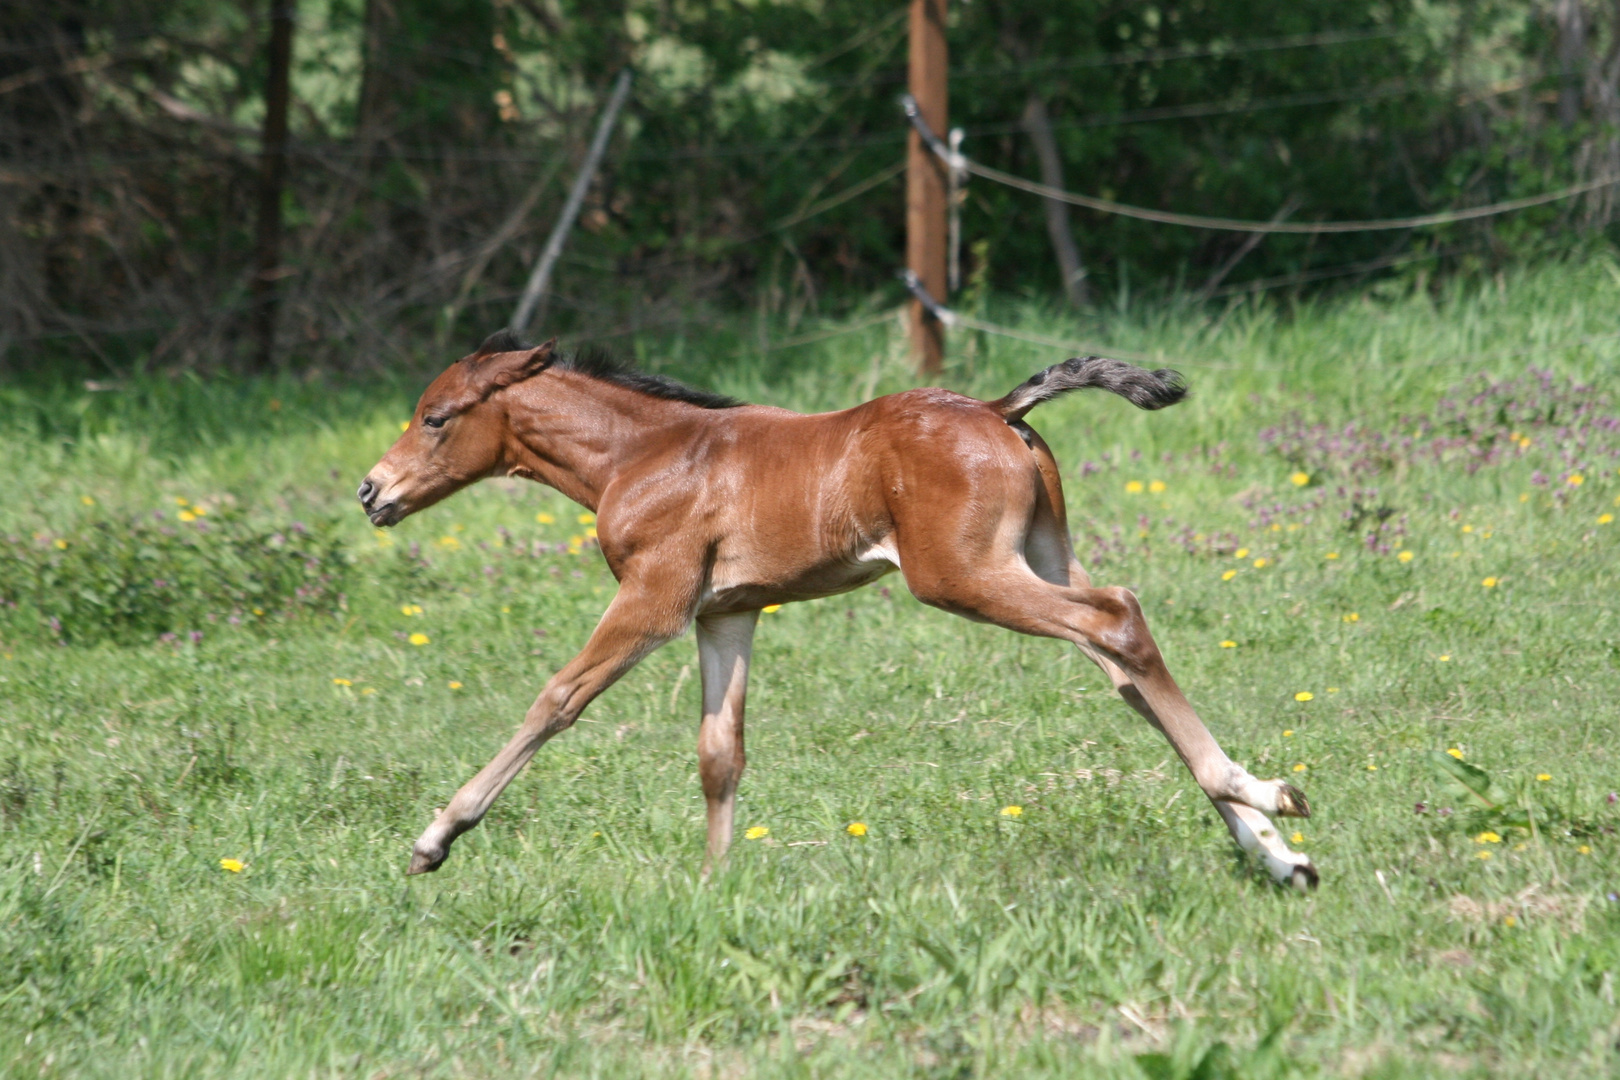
{"x":1050,"y":554}
{"x":1107,"y":625}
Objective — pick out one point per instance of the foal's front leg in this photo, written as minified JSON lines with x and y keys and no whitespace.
{"x":725,"y":643}
{"x":636,"y":623}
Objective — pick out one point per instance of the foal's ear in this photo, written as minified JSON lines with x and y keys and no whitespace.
{"x":502,"y":369}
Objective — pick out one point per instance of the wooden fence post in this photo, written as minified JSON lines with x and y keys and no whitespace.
{"x":926,"y":230}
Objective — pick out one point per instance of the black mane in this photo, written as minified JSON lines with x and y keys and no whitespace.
{"x":599,"y":364}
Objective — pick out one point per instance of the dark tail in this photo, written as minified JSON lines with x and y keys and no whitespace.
{"x":1142,"y":388}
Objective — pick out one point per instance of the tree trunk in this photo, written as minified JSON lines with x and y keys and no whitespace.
{"x":272,"y":178}
{"x":1039,"y":128}
{"x":369,"y":118}
{"x":1571,"y":59}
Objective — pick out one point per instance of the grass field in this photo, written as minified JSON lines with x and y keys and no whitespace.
{"x":1373,"y":536}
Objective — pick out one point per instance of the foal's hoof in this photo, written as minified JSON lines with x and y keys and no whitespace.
{"x":1291,"y":801}
{"x":1304,"y":878}
{"x":425,"y":862}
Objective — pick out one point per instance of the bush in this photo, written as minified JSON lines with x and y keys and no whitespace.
{"x":133,"y":579}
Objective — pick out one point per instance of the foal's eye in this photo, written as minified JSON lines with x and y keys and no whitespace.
{"x":433,"y":421}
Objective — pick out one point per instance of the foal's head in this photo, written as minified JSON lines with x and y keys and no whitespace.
{"x":456,"y":435}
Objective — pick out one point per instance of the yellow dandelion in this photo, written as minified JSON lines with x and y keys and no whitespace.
{"x":855,"y":828}
{"x":419,"y":638}
{"x":368,"y":691}
{"x":1275,"y":527}
{"x":1300,"y":766}
{"x":200,"y":511}
{"x":757,"y":832}
{"x":1156,"y":486}
{"x":1229,"y":575}
{"x":181,"y":500}
{"x":1544,"y":776}
{"x":61,"y":545}
{"x":506,"y":609}
{"x":1261,"y":563}
{"x":407,"y":610}
{"x":1372,"y":768}
{"x":771,"y":608}
{"x":1331,"y":555}
{"x":342,"y":682}
{"x":1486,"y":535}
{"x":1456,"y":753}
{"x":1133,"y":487}
{"x":576,"y":540}
{"x":1524,"y":496}
{"x":1482,"y":854}
{"x":449,"y":543}
{"x":544,"y":518}
{"x":587,"y":518}
{"x":1604,"y":519}
{"x":1351,"y":617}
{"x":1288,"y":733}
{"x":1228,"y":644}
{"x":1012,"y":811}
{"x":404,"y":425}
{"x":258,"y":611}
{"x":1333,"y":689}
{"x":1241,"y":553}
{"x":1304,"y":695}
{"x":1575,"y":479}
{"x":187,"y":515}
{"x":1299,"y":479}
{"x":1487,"y":837}
{"x":1489,"y":583}
{"x":1297,"y":838}
{"x":1510,"y":921}
{"x":235,"y":866}
{"x":591,"y":532}
{"x":1405,"y":556}
{"x":1584,"y":849}
{"x":1445,"y":658}
{"x":454,"y":685}
{"x":87,"y":500}
{"x":1467,"y":528}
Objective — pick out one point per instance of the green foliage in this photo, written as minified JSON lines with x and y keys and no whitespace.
{"x":129,"y":580}
{"x":433,"y":139}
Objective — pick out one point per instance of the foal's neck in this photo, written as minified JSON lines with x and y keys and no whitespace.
{"x":576,"y":433}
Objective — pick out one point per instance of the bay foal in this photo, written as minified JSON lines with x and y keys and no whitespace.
{"x":708,"y":510}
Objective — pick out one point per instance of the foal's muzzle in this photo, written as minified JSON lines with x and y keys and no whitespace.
{"x":381,"y":514}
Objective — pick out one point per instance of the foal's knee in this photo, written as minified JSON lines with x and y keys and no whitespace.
{"x":550,"y":714}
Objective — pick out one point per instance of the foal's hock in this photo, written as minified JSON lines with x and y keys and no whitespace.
{"x":709,"y":509}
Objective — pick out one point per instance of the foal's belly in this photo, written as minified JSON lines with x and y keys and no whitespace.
{"x":745,"y":587}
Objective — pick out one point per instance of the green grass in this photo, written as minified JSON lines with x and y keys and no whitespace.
{"x":1110,"y":930}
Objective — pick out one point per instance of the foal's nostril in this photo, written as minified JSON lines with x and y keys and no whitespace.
{"x":367,"y":493}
